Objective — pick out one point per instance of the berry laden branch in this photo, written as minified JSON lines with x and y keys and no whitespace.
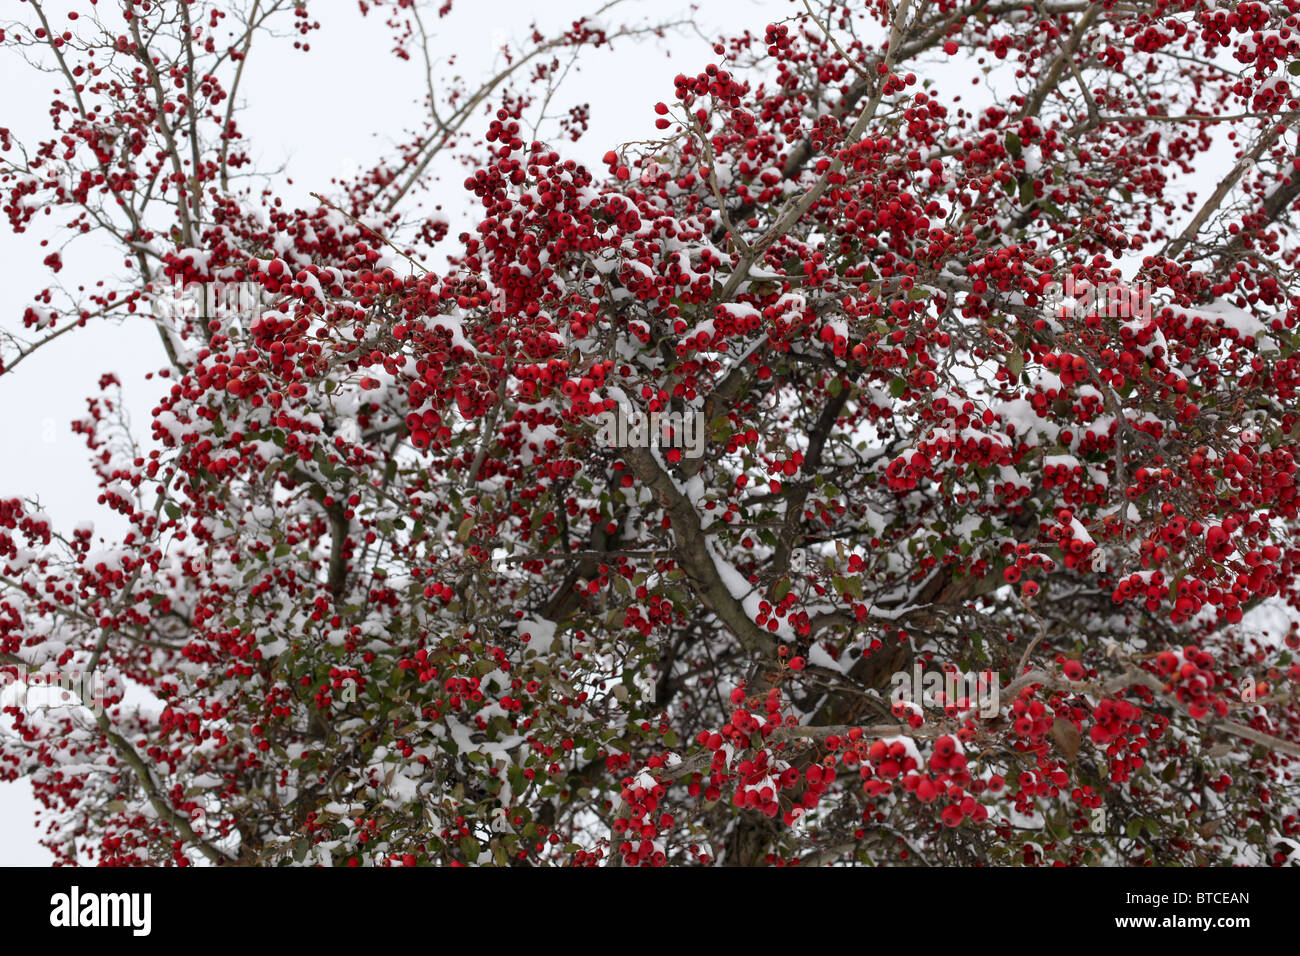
{"x":890,"y":457}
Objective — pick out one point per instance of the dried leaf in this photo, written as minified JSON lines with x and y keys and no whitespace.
{"x":1067,"y":737}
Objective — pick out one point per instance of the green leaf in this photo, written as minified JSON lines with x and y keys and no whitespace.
{"x":849,"y":586}
{"x":470,"y":847}
{"x":897,"y":387}
{"x":463,"y":532}
{"x":1293,"y":67}
{"x":1012,"y":143}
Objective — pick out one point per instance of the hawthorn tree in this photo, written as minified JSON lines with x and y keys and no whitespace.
{"x":384,"y":599}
